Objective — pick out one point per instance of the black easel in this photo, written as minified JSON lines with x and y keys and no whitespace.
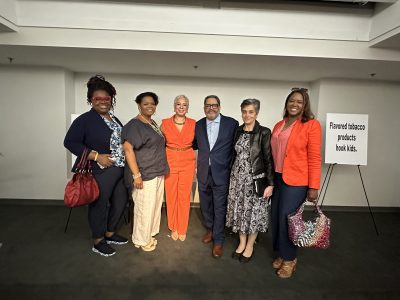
{"x":69,"y":216}
{"x":328,"y":175}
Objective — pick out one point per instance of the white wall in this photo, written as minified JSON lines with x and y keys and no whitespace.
{"x":32,"y":127}
{"x":272,"y":95}
{"x":38,"y":103}
{"x":69,"y":82}
{"x":314,"y":93}
{"x":231,"y":92}
{"x":377,"y":99}
{"x":380,"y":100}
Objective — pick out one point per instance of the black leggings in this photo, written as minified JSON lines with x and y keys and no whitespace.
{"x":105,"y":213}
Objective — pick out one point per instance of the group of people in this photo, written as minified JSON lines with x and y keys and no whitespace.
{"x":247,"y":175}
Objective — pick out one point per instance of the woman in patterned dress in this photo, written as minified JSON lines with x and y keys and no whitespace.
{"x":251,"y":182}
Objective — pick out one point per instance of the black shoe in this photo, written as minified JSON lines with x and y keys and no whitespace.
{"x":236,"y":255}
{"x":116,"y":239}
{"x":103,"y":248}
{"x":244,"y":259}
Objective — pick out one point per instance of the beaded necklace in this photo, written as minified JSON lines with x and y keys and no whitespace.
{"x":153,"y":125}
{"x":179,"y":123}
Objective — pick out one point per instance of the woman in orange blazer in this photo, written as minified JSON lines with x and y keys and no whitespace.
{"x":296,"y":150}
{"x":179,"y":134}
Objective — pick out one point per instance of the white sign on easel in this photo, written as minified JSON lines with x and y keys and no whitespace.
{"x":346,"y":139}
{"x":346,"y":143}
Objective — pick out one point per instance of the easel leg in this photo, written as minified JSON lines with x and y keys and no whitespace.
{"x":69,"y":216}
{"x":327,"y":184}
{"x":369,"y":207}
{"x":323,"y":184}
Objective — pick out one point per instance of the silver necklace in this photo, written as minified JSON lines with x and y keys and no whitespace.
{"x":154,"y":126}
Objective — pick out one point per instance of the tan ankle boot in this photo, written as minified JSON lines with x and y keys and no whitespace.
{"x":276,"y":264}
{"x":287,"y":268}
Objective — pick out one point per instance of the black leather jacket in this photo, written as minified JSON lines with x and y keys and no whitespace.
{"x":260,"y":151}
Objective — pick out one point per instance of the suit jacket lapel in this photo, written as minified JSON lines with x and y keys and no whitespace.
{"x":203,"y":127}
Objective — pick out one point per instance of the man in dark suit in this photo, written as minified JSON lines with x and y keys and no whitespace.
{"x":214,"y":136}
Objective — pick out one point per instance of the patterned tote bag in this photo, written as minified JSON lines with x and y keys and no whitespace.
{"x":311,"y":233}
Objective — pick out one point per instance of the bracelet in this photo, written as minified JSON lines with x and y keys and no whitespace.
{"x":95,"y":157}
{"x":136,"y":176}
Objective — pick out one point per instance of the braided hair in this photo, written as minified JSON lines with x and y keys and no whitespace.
{"x":98,"y":82}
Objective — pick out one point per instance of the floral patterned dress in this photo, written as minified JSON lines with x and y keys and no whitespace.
{"x":115,"y":141}
{"x":246,"y":212}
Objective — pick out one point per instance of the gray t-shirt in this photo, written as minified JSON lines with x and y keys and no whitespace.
{"x":149,"y":149}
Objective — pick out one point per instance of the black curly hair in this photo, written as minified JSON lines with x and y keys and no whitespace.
{"x":97,"y":83}
{"x":140,"y":97}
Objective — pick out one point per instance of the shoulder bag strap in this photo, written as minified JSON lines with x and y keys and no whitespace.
{"x":81,"y":167}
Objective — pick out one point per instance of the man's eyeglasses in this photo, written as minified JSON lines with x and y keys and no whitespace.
{"x":107,"y":98}
{"x":213,"y":106}
{"x":299,"y":89}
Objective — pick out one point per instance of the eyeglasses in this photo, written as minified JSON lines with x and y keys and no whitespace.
{"x":213,"y":106}
{"x":299,"y":89}
{"x":106,"y":98}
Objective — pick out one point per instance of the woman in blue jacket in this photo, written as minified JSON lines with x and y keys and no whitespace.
{"x":100,"y":131}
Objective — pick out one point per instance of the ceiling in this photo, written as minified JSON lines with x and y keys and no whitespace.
{"x":165,"y":63}
{"x":357,"y":4}
{"x":223,"y":2}
{"x":199,"y":64}
{"x":4,"y":28}
{"x":392,"y":42}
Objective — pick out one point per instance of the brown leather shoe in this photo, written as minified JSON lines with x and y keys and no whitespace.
{"x":207,"y":238}
{"x":217,"y":251}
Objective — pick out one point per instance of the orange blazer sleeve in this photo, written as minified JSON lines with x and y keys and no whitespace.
{"x":302,"y":163}
{"x":314,"y":155}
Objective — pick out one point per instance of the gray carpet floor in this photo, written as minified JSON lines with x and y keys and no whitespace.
{"x":39,"y":261}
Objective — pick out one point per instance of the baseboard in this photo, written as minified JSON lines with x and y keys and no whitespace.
{"x":59,"y":202}
{"x":375,"y":209}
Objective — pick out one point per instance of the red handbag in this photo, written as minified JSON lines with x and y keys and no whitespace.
{"x":82,"y":189}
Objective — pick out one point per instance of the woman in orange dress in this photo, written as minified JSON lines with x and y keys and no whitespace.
{"x":179,"y":134}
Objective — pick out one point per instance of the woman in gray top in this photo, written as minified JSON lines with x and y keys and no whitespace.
{"x":144,"y":147}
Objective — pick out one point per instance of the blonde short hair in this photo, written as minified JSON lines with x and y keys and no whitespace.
{"x":181,"y":97}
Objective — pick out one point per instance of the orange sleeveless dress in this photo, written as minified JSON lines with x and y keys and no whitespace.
{"x":178,"y":183}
